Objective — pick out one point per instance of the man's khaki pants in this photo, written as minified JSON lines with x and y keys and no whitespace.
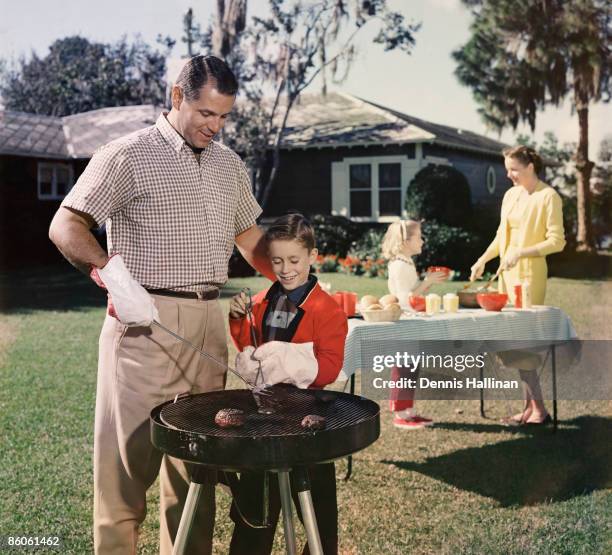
{"x":138,"y":369}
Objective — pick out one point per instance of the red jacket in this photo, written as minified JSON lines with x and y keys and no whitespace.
{"x":320,"y":320}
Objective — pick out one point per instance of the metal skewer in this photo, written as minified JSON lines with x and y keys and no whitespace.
{"x":250,"y":385}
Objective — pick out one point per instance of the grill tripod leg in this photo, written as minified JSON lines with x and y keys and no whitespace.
{"x":191,"y":503}
{"x":285,"y":494}
{"x":308,"y":513}
{"x":202,"y":485}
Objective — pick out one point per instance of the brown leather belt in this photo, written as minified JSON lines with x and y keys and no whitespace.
{"x":210,"y":295}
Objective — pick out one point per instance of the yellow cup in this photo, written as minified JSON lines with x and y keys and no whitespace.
{"x":450,"y":302}
{"x":432,"y":303}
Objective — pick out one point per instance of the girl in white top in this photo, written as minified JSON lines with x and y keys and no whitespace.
{"x":402,"y":241}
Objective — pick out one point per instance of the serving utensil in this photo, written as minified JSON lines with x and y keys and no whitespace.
{"x":486,"y":285}
{"x":260,"y":383}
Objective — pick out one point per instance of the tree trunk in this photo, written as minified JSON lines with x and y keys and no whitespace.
{"x":267,"y":188}
{"x":584,"y":236}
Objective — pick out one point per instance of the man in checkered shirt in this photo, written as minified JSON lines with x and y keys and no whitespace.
{"x":174,"y":202}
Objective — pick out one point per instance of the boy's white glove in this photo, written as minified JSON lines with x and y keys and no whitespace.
{"x":293,"y":363}
{"x":130,"y":302}
{"x":246,"y":365}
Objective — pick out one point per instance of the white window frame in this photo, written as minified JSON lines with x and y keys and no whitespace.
{"x":53,"y":166}
{"x":491,"y":180}
{"x":341,"y":193}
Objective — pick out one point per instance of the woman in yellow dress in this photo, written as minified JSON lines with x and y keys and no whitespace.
{"x":531,"y":227}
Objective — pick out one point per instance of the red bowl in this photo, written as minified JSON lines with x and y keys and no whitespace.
{"x":492,"y":301}
{"x":417,"y":302}
{"x":444,"y":269}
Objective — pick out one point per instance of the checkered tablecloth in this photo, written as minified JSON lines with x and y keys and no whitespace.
{"x":519,"y":326}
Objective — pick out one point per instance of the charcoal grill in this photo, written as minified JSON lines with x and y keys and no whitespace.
{"x":276,"y":442}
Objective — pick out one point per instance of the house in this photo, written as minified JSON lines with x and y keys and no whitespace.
{"x":354,"y":158}
{"x":341,"y":155}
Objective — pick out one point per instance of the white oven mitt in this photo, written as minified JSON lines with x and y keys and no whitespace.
{"x":293,"y":363}
{"x":132,"y":304}
{"x":247,"y":366}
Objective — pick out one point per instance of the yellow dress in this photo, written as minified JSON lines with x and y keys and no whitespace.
{"x":528,"y":221}
{"x":535,"y":273}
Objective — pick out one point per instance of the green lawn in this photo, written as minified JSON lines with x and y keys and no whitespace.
{"x":466,"y":486}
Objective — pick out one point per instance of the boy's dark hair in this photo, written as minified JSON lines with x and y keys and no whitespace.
{"x":292,"y":227}
{"x":199,"y":70}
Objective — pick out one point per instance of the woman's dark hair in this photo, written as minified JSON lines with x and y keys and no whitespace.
{"x":201,"y":69}
{"x":525,"y":155}
{"x":292,"y":227}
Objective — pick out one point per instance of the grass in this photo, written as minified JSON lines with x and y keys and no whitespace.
{"x":466,"y":486}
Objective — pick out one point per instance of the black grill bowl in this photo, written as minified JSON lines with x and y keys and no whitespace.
{"x":186,"y":429}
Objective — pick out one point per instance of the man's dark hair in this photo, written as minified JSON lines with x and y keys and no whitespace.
{"x":199,"y":70}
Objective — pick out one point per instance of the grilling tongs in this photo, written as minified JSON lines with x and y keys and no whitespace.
{"x":257,"y":389}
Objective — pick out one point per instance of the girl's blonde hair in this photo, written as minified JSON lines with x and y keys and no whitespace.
{"x":397,"y":234}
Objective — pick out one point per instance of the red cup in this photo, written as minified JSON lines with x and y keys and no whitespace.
{"x":518,"y":296}
{"x":350,"y":302}
{"x":417,"y":302}
{"x":444,"y":269}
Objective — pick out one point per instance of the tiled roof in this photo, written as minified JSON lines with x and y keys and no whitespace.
{"x":36,"y":135}
{"x":88,"y":131}
{"x":315,"y":122}
{"x":341,"y":119}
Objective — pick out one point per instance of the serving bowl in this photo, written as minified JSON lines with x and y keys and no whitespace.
{"x":417,"y":302}
{"x":492,"y":301}
{"x":467,"y":299}
{"x":443,"y":269}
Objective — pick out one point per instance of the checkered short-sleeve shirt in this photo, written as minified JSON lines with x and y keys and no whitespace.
{"x":172,"y":220}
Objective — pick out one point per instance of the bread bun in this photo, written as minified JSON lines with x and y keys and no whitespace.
{"x":395,"y":308}
{"x":374,"y":306}
{"x":388,"y":299}
{"x":368,"y":300}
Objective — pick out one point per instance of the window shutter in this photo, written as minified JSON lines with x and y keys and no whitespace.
{"x":340,"y":189}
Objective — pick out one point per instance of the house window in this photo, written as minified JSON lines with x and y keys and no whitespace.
{"x":54,"y":180}
{"x":390,"y":189}
{"x":372,"y":188}
{"x":360,"y":184}
{"x":491,"y":179}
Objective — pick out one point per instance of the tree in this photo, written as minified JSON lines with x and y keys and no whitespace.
{"x":192,"y":32}
{"x":602,"y":192}
{"x":525,"y":55}
{"x":78,"y":75}
{"x":279,"y":56}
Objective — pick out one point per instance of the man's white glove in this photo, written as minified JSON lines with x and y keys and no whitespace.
{"x":293,"y":363}
{"x":132,"y":304}
{"x":247,"y":366}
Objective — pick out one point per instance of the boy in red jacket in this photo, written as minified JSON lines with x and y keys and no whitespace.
{"x":302,"y":332}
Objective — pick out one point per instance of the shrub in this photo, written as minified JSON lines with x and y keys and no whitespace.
{"x":368,"y":245}
{"x":335,"y":234}
{"x":448,"y":246}
{"x":326,"y":263}
{"x":440,"y":193}
{"x":351,"y":265}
